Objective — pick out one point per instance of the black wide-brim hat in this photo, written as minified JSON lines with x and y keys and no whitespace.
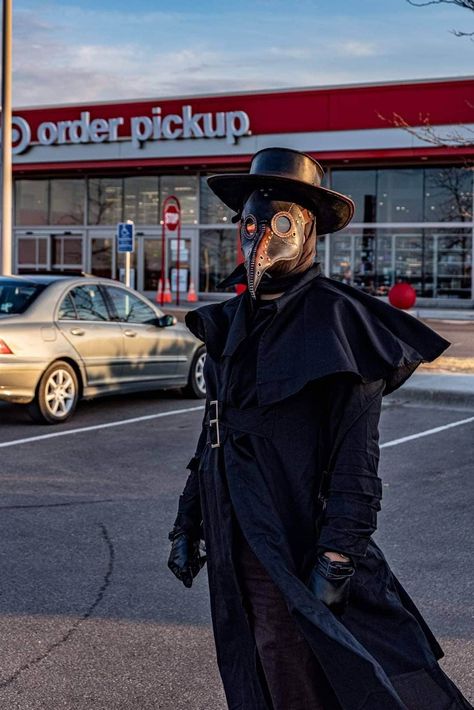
{"x":298,"y":175}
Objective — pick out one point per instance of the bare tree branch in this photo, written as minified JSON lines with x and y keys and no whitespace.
{"x":466,"y":4}
{"x":426,"y":132}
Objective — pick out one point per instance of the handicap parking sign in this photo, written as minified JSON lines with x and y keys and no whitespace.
{"x":125,"y":236}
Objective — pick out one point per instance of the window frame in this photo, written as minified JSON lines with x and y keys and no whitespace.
{"x":78,"y":319}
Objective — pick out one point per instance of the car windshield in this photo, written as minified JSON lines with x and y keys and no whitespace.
{"x":16,"y":297}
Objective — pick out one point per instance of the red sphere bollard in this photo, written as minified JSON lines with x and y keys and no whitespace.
{"x":402,"y":295}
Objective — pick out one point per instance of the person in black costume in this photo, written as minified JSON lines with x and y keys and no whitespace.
{"x":283,"y":486}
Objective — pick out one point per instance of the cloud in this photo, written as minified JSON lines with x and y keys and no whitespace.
{"x":71,"y":53}
{"x":353,"y":48}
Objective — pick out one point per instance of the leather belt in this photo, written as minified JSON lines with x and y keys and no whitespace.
{"x":251,"y":420}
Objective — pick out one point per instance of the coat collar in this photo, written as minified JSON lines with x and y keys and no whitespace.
{"x":240,"y":322}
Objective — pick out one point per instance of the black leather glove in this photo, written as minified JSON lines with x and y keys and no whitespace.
{"x":185,"y":560}
{"x":330,"y":581}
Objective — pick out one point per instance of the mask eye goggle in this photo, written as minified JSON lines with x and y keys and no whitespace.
{"x":282,"y":224}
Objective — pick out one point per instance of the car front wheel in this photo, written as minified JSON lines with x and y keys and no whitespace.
{"x":56,"y":395}
{"x":196,"y":386}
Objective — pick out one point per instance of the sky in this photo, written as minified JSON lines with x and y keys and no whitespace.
{"x":71,"y":51}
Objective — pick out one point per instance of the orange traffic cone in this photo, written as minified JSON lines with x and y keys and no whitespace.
{"x":167,"y":297}
{"x":159,"y":292}
{"x":192,"y":295}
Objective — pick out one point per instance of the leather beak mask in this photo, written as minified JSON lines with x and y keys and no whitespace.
{"x":275,"y":238}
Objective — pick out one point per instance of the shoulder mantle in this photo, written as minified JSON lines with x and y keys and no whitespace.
{"x":323,"y":329}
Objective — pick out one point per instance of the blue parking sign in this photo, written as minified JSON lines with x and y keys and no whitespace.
{"x":125,"y":237}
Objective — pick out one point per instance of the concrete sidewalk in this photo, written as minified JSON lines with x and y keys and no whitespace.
{"x":452,"y":388}
{"x":450,"y":314}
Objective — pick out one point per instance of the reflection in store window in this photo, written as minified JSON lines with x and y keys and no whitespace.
{"x":212,"y":209}
{"x":105,"y":200}
{"x":152,"y":258}
{"x":400,"y":195}
{"x":217,"y":257}
{"x":32,"y":254}
{"x":360,"y":186}
{"x":67,"y":201}
{"x":185,"y":188}
{"x":142,"y":199}
{"x":453,"y":267}
{"x":66,"y":252}
{"x":373,"y":261}
{"x":321,"y":242}
{"x":101,"y":257}
{"x":409,"y":260}
{"x":448,"y":194}
{"x":27,"y":250}
{"x":31,"y":202}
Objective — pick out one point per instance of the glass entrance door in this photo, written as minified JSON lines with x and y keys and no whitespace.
{"x":41,"y":252}
{"x":179,"y":266}
{"x":32,"y":253}
{"x":67,"y":252}
{"x":150,"y":252}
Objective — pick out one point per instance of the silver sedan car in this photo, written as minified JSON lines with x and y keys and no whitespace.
{"x":64,"y":337}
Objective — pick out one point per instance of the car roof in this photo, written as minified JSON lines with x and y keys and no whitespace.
{"x":36,"y":278}
{"x":47,"y":279}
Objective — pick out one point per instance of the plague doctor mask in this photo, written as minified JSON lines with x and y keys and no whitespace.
{"x":278,"y":240}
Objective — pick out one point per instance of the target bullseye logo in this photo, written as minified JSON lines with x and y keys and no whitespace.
{"x":21,"y":135}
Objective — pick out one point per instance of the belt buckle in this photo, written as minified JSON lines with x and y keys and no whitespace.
{"x":215,"y":422}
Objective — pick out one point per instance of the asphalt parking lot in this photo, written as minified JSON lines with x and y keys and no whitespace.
{"x":90,"y":616}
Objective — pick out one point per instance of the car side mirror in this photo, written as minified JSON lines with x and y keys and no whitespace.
{"x":166,"y":320}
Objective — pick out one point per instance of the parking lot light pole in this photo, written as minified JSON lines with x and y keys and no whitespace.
{"x":6,"y":125}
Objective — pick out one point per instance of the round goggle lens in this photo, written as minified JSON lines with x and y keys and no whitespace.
{"x":250,"y":228}
{"x":282,"y":224}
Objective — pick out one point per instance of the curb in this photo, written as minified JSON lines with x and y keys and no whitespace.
{"x":434,"y":396}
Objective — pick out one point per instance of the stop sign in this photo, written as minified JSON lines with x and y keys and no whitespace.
{"x":172,"y":217}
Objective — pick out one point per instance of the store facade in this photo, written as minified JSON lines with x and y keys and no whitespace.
{"x":79,"y":170}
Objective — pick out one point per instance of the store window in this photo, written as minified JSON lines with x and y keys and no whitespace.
{"x":101,"y":257}
{"x":212,"y":210}
{"x":105,"y":196}
{"x":67,"y":201}
{"x":32,"y":254}
{"x":453,"y":262}
{"x":218,"y":257}
{"x":66,"y":252}
{"x":400,"y":195}
{"x":448,"y":194}
{"x":185,"y":188}
{"x":360,"y":186}
{"x":152,"y":258}
{"x":31,"y":202}
{"x":409,"y":258}
{"x":321,"y":246}
{"x":142,"y":199}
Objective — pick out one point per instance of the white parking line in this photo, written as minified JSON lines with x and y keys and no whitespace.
{"x":427,"y":432}
{"x":148,"y":417}
{"x":134,"y":420}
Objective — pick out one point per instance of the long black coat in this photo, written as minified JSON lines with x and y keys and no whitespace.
{"x":324,"y":363}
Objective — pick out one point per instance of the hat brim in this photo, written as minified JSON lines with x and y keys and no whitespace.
{"x":333,"y":211}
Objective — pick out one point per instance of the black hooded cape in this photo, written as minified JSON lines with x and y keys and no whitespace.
{"x":324,"y":362}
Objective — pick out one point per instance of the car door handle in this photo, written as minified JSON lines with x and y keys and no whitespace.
{"x":77,"y":331}
{"x":130,"y":333}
